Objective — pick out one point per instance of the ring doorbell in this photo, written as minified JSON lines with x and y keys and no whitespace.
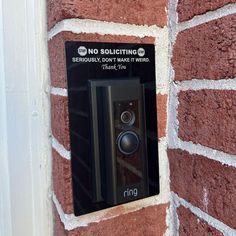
{"x":113,"y":123}
{"x":119,"y":137}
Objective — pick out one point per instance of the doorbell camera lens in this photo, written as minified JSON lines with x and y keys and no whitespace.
{"x":127,"y":117}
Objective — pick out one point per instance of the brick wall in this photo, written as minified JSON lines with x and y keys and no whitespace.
{"x":202,"y":117}
{"x":105,"y":21}
{"x":195,"y":44}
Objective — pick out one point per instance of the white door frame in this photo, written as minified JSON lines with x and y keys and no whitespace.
{"x":25,"y":161}
{"x":5,"y":206}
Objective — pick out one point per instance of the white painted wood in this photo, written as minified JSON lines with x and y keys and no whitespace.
{"x":5,"y":206}
{"x":25,"y":149}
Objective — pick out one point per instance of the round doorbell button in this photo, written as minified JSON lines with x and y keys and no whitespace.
{"x":128,"y":142}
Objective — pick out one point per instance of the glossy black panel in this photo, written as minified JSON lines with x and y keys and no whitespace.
{"x":110,"y":61}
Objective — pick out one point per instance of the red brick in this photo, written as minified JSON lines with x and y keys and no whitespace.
{"x":161,"y":114}
{"x":207,"y":51}
{"x":140,"y":12}
{"x":57,"y":51}
{"x":62,"y":183}
{"x":57,"y":61}
{"x":187,"y":9}
{"x":60,"y":120}
{"x":58,"y":227}
{"x":205,"y":183}
{"x":189,"y":224}
{"x":208,"y":117}
{"x":147,"y":221}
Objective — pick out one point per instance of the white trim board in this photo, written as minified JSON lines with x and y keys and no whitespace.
{"x":25,"y":122}
{"x":5,"y":205}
